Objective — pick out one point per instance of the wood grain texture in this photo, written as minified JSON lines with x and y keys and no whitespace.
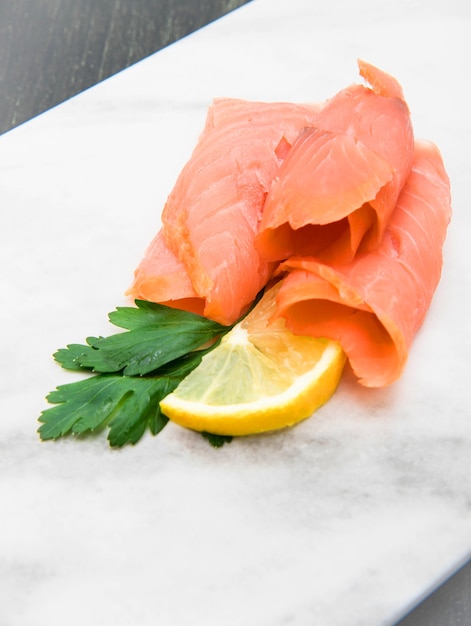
{"x":51,"y":50}
{"x":449,"y":605}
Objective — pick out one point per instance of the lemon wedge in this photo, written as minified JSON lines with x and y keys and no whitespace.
{"x":260,"y":377}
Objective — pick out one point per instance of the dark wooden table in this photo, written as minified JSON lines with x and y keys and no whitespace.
{"x":52,"y":49}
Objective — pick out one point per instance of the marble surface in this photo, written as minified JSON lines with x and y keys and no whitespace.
{"x":347,"y":519}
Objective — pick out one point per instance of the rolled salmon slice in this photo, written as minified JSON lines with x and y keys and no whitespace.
{"x":336,"y":189}
{"x":160,"y":272}
{"x":212,"y":215}
{"x":375,"y":304}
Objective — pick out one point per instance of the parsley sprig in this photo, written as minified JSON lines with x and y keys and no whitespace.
{"x":128,"y":374}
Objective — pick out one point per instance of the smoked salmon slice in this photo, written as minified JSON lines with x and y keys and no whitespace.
{"x":212,"y":215}
{"x":338,"y":199}
{"x":375,"y":304}
{"x":338,"y":185}
{"x":160,"y":272}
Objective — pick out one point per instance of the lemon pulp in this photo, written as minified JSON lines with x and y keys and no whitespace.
{"x":260,"y":377}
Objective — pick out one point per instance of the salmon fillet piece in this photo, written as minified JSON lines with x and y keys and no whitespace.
{"x":375,"y":304}
{"x":160,"y":272}
{"x":336,"y":189}
{"x":212,"y":215}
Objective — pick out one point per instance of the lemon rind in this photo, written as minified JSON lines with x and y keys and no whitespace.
{"x":307,"y":393}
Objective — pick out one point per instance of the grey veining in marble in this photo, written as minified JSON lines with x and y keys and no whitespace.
{"x":344,"y":520}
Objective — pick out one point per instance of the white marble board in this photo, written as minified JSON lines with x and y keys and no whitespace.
{"x":346,"y":520}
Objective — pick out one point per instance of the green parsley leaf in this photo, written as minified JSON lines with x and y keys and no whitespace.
{"x":125,"y":403}
{"x":128,"y":405}
{"x":70,"y":357}
{"x":156,"y":335}
{"x":129,"y":374}
{"x":217,"y":441}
